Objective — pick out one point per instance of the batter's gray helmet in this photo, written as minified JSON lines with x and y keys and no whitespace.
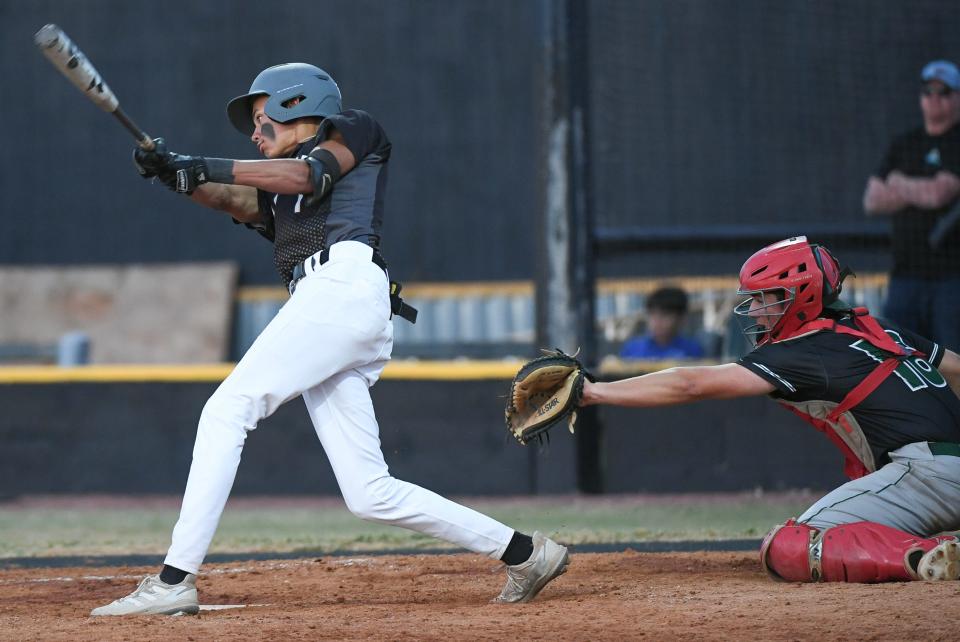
{"x":318,"y":93}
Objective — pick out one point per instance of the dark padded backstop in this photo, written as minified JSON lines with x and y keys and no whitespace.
{"x":447,"y":436}
{"x":722,"y":113}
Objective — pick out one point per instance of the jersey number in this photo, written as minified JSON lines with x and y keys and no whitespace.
{"x":914,"y":372}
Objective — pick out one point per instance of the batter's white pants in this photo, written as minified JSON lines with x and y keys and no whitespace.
{"x":917,"y":492}
{"x":329,"y":343}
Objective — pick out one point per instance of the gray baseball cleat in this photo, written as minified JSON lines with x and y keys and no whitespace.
{"x":524,"y":581}
{"x":153,"y":597}
{"x":941,"y":562}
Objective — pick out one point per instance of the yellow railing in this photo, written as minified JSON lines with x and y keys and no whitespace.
{"x":460,"y":370}
{"x":441,"y":290}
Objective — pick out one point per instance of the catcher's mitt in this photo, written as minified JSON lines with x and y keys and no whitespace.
{"x":545,"y":392}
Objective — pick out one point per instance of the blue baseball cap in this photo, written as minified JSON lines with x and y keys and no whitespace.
{"x":944,"y":71}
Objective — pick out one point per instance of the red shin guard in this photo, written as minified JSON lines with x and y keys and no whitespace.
{"x":858,"y":552}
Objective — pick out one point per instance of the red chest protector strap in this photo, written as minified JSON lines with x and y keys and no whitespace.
{"x":866,"y":328}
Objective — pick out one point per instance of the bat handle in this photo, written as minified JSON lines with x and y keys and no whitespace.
{"x":146,"y":143}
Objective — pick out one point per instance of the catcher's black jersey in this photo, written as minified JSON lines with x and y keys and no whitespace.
{"x":353,"y":211}
{"x":912,"y":404}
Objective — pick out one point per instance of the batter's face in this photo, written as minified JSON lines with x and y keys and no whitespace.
{"x":273,"y":139}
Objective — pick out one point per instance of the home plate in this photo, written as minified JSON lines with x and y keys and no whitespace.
{"x":221,"y":607}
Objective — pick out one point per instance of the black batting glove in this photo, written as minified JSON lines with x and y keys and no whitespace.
{"x":190,"y":172}
{"x":178,"y":173}
{"x":155,"y":164}
{"x":168,"y":178}
{"x":151,"y":163}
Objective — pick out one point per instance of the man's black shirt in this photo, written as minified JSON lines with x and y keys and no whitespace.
{"x":920,"y":155}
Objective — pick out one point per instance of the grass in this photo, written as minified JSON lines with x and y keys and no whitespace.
{"x":48,"y":531}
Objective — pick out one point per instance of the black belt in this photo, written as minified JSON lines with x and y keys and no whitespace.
{"x":943,"y":448}
{"x":299,"y":271}
{"x":397,"y":304}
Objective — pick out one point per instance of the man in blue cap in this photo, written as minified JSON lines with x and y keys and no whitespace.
{"x":918,"y":185}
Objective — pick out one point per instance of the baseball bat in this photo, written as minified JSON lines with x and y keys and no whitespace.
{"x":70,"y":61}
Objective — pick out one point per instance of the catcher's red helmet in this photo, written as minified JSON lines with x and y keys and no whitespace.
{"x":800,"y":276}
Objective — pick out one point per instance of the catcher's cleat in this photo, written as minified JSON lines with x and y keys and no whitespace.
{"x":153,"y":597}
{"x":524,"y":581}
{"x":941,"y":562}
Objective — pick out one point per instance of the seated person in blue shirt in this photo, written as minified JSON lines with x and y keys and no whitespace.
{"x":666,"y":311}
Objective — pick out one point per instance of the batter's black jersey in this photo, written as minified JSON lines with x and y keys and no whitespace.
{"x":918,"y":154}
{"x":352,"y":211}
{"x":912,"y":404}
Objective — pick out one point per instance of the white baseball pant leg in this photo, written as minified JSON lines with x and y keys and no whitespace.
{"x":342,"y":413}
{"x":337,"y":321}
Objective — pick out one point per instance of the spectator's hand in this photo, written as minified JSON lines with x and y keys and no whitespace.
{"x":881,"y":196}
{"x":896,"y":179}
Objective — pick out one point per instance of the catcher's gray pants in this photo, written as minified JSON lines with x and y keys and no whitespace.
{"x":329,"y":343}
{"x":917,"y":492}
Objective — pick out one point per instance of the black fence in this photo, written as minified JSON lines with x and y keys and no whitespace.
{"x":701,"y":114}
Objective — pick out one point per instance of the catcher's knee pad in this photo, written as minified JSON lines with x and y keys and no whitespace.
{"x":785,"y":552}
{"x":858,"y":552}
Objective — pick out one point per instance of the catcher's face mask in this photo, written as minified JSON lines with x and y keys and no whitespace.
{"x":762,"y":311}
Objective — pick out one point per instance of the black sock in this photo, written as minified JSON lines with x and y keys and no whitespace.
{"x":171,"y":575}
{"x":518,"y":550}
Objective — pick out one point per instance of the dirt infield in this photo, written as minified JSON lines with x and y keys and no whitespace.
{"x":442,"y":597}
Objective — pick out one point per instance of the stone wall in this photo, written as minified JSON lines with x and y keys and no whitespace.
{"x":133,"y":314}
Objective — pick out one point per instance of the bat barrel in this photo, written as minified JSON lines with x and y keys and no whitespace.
{"x":70,"y":61}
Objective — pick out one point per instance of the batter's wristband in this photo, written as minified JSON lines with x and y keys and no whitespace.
{"x":220,"y":170}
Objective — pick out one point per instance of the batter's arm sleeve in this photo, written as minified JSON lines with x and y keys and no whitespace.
{"x":337,"y":147}
{"x":677,"y":386}
{"x":361,"y":134}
